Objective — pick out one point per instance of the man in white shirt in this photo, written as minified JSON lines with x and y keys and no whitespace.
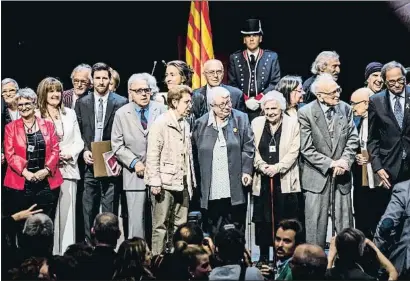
{"x":95,"y":114}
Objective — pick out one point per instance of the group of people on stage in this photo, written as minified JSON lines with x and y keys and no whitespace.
{"x":294,"y":146}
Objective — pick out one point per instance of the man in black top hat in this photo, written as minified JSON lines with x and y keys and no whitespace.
{"x":254,"y":71}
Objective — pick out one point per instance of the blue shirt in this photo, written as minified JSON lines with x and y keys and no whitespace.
{"x":146,"y":114}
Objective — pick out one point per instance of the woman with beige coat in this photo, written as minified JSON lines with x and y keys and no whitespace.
{"x":276,"y":183}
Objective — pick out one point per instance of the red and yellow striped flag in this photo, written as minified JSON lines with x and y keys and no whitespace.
{"x":199,"y":47}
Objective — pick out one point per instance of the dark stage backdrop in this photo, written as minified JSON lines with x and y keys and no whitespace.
{"x":50,"y":38}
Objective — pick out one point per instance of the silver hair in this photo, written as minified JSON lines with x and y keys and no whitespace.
{"x":213,"y":60}
{"x":322,"y":59}
{"x":38,"y":225}
{"x":322,"y":78}
{"x":82,"y":67}
{"x":9,"y":80}
{"x":274,"y":96}
{"x":218,"y":92}
{"x":390,"y":65}
{"x":151,"y":81}
{"x":27,"y":93}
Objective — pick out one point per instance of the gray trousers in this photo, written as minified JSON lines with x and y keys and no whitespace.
{"x":98,"y":191}
{"x":317,"y":210}
{"x":136,"y":212}
{"x":169,"y":211}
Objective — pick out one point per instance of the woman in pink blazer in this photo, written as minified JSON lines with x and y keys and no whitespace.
{"x":31,"y":149}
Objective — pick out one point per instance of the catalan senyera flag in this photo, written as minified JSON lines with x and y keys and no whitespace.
{"x":199,"y":47}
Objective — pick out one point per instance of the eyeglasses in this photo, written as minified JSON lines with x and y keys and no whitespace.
{"x":141,"y":91}
{"x":337,"y":91}
{"x":9,"y":92}
{"x":22,"y":105}
{"x":356,"y":103}
{"x":82,"y":82}
{"x":392,"y":83}
{"x":223,"y":105}
{"x":214,"y":72}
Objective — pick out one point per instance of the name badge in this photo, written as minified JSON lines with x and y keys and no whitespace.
{"x":100,"y":126}
{"x":272,"y":148}
{"x":30,"y":148}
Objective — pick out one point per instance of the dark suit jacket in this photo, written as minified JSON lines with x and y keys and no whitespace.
{"x":199,"y":102}
{"x":241,"y":151}
{"x":67,"y":97}
{"x":85,"y":110}
{"x":309,"y":96}
{"x":267,"y":71}
{"x":102,"y":263}
{"x":386,"y":139}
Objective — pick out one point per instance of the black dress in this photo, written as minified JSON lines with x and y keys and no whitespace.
{"x":285,"y":205}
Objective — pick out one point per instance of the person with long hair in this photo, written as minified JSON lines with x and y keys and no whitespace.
{"x":51,"y":108}
{"x":133,"y":261}
{"x":292,"y":90}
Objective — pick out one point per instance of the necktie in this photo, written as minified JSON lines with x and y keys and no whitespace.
{"x":98,"y":135}
{"x":329,"y":113}
{"x":398,"y":112}
{"x":144,"y":122}
{"x":253,"y":61}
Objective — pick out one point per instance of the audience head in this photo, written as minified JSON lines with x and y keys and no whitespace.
{"x":178,"y":73}
{"x":33,"y":268}
{"x":292,"y":90}
{"x":101,"y":78}
{"x":230,"y":245}
{"x":81,"y":78}
{"x":220,"y":102}
{"x":179,"y":99}
{"x":273,"y":104}
{"x":309,"y":262}
{"x":49,"y":92}
{"x":350,"y":244}
{"x":38,"y":235}
{"x":360,"y":101}
{"x":394,"y":76}
{"x":194,"y":261}
{"x":141,"y":87}
{"x":115,"y":80}
{"x":326,"y":89}
{"x":327,"y":62}
{"x":64,"y":268}
{"x":189,"y":232}
{"x":9,"y":88}
{"x":133,"y":259}
{"x":213,"y":72}
{"x":373,"y":76}
{"x":288,"y":236}
{"x":106,"y":229}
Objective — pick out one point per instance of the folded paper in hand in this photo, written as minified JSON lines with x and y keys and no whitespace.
{"x":111,"y":164}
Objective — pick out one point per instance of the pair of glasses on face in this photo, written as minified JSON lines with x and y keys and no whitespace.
{"x":335,"y":92}
{"x":80,"y":82}
{"x":9,"y":93}
{"x":392,"y":83}
{"x":223,"y":105}
{"x":22,"y":105}
{"x":214,"y":72}
{"x":356,"y":103}
{"x":141,"y":91}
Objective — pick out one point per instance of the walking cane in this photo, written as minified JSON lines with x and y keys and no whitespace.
{"x":333,"y":196}
{"x":273,"y":215}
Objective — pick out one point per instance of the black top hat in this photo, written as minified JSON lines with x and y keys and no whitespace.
{"x":252,"y":26}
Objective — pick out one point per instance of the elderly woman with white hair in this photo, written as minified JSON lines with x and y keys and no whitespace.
{"x":31,"y":147}
{"x":276,"y":183}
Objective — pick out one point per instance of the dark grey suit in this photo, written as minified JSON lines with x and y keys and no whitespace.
{"x":393,"y":238}
{"x":317,"y":153}
{"x":102,"y":190}
{"x":200,"y":105}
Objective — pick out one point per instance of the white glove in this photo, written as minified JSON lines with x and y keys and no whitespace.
{"x":252,"y":104}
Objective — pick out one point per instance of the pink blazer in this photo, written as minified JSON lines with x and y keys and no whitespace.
{"x":15,"y":153}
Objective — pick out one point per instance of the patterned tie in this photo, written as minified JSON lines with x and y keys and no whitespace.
{"x":398,"y":112}
{"x":144,"y":121}
{"x":329,"y":113}
{"x":98,"y":136}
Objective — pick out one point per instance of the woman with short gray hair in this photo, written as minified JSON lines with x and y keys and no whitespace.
{"x":277,"y":141}
{"x":31,"y":149}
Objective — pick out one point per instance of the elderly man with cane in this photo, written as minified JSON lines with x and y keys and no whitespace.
{"x":329,"y":140}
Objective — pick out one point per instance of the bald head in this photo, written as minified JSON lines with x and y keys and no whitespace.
{"x":214,"y":72}
{"x":360,"y":101}
{"x":309,"y":262}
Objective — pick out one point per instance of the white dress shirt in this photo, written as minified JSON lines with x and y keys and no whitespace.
{"x":255,"y":53}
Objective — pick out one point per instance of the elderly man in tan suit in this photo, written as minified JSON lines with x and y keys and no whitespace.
{"x":277,"y":141}
{"x":169,"y":168}
{"x":129,"y":136}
